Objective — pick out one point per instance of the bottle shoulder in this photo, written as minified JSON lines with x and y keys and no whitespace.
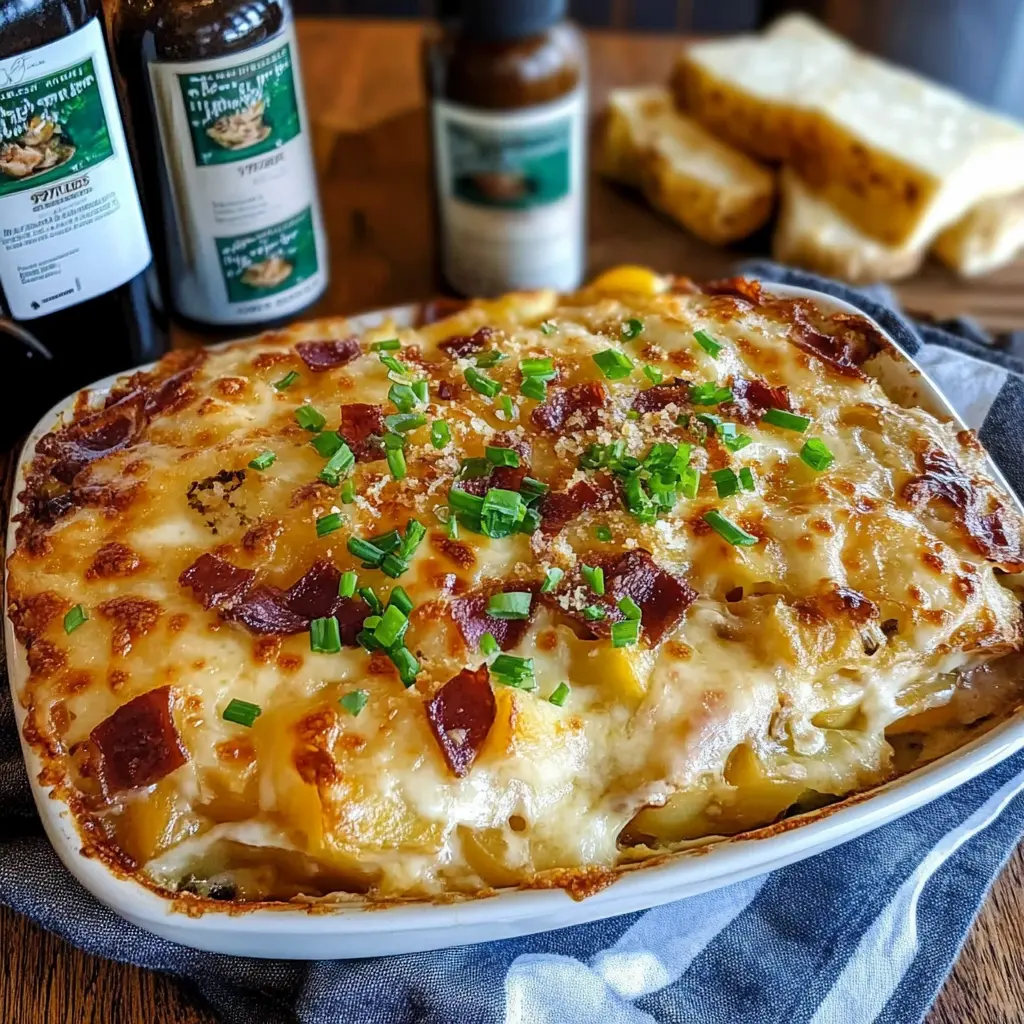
{"x":505,"y":75}
{"x":30,"y":24}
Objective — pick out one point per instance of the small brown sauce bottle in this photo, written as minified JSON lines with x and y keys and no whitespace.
{"x":507,"y":85}
{"x":216,"y":104}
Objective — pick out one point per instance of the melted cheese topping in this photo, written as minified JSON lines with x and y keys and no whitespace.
{"x":762,"y":700}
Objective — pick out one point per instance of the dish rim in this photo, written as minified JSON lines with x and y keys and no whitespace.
{"x":644,"y":884}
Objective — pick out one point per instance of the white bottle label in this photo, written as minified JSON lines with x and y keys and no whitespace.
{"x":249,"y":241}
{"x":71,"y":226}
{"x":511,"y":194}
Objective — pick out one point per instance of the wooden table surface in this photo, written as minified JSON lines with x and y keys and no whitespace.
{"x":365,"y":99}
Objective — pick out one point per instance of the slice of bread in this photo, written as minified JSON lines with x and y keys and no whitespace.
{"x":715,"y":191}
{"x":899,"y":157}
{"x":985,"y":239}
{"x":810,"y":233}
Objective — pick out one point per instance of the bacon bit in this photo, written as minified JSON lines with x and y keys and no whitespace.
{"x":133,"y":617}
{"x":588,"y":399}
{"x":30,"y":615}
{"x":743,"y":287}
{"x":997,"y":535}
{"x":314,"y":491}
{"x":461,"y":345}
{"x":560,"y":507}
{"x":662,"y":597}
{"x":263,"y":610}
{"x":216,"y":582}
{"x":261,"y":539}
{"x":113,"y":559}
{"x":751,"y":398}
{"x":326,"y":355}
{"x":314,"y":595}
{"x":458,"y":551}
{"x":461,"y":714}
{"x":448,"y":390}
{"x":139,"y":742}
{"x":654,"y":399}
{"x":509,"y":478}
{"x":854,"y":342}
{"x":45,"y":658}
{"x":362,"y":427}
{"x":470,"y":615}
{"x":438,"y":309}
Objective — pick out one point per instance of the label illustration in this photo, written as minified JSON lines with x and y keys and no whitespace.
{"x":67,"y":191}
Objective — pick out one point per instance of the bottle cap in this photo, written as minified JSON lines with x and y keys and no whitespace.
{"x":510,"y":19}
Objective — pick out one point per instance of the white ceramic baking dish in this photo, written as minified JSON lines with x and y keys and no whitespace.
{"x":357,"y":930}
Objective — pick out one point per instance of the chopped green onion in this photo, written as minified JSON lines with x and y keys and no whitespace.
{"x":531,"y":489}
{"x":594,"y":575}
{"x":512,"y":671}
{"x":681,"y":460}
{"x":389,"y":345}
{"x":816,"y":454}
{"x":613,"y":363}
{"x":403,"y":422}
{"x":708,"y":343}
{"x":74,"y":618}
{"x":440,"y":435}
{"x":392,"y":626}
{"x":511,"y":605}
{"x":501,"y":512}
{"x":593,"y":613}
{"x":481,"y":383}
{"x":491,"y":358}
{"x":507,"y":407}
{"x":347,"y":583}
{"x":421,"y":389}
{"x":468,"y":504}
{"x":415,"y":531}
{"x":632,"y":414}
{"x":241,"y":712}
{"x":736,"y":442}
{"x":727,"y":529}
{"x":710,"y":394}
{"x":632,"y":328}
{"x":473,"y":469}
{"x":408,"y":667}
{"x":488,"y":645}
{"x":626,"y":633}
{"x":325,"y":636}
{"x":531,"y":521}
{"x":371,"y":622}
{"x":327,"y":443}
{"x":659,"y":456}
{"x":400,"y":599}
{"x":689,"y":482}
{"x":402,"y":396}
{"x":629,"y":607}
{"x":653,"y":374}
{"x":387,"y":541}
{"x":453,"y":528}
{"x":396,"y":463}
{"x":263,"y":461}
{"x":547,"y":327}
{"x":329,"y":523}
{"x":535,"y":388}
{"x":786,"y":420}
{"x":393,"y":365}
{"x":393,"y":566}
{"x":594,"y":457}
{"x":551,"y":580}
{"x":370,"y":555}
{"x":636,"y":500}
{"x":603,"y":533}
{"x":371,"y":599}
{"x":726,"y":482}
{"x":286,"y":381}
{"x":502,"y":457}
{"x":354,"y":701}
{"x":393,"y":441}
{"x":348,"y":492}
{"x":747,"y":479}
{"x":338,"y":465}
{"x":544,"y":368}
{"x":559,"y":695}
{"x":310,"y":419}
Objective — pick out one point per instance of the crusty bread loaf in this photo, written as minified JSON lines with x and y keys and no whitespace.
{"x":810,"y":233}
{"x":900,"y":157}
{"x":985,"y":239}
{"x":717,"y":192}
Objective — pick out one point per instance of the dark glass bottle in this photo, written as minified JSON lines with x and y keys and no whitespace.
{"x":215,"y":99}
{"x":507,"y":85}
{"x":73,"y":245}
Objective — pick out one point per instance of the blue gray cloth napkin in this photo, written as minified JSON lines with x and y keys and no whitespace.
{"x":865,"y":932}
